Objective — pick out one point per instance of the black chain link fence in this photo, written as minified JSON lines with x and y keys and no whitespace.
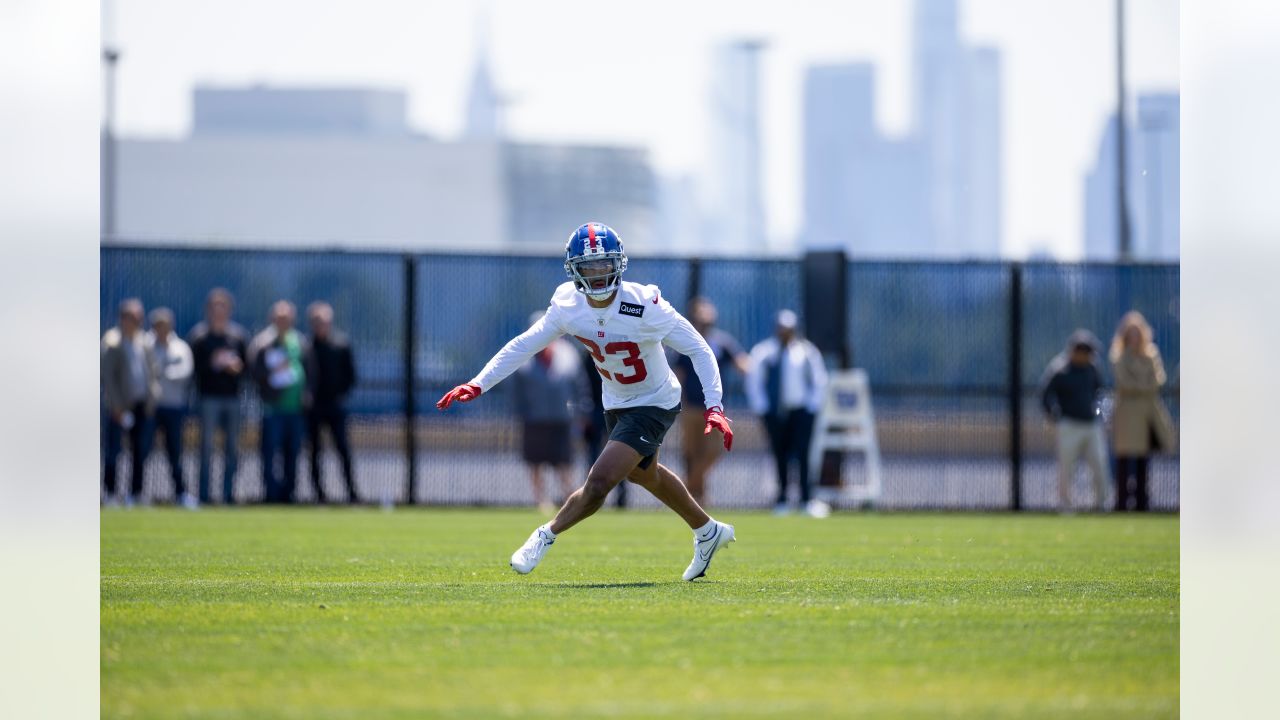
{"x":935,"y":338}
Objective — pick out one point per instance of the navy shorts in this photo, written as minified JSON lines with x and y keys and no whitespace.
{"x":640,"y":427}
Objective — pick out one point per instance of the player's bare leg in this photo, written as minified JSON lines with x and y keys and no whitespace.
{"x":616,"y":461}
{"x":666,"y":486}
{"x":613,"y":465}
{"x":709,"y":535}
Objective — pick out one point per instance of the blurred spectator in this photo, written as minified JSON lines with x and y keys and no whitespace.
{"x":279,"y":356}
{"x":547,"y":390}
{"x":590,"y":410}
{"x":129,"y":394}
{"x":1071,"y":389}
{"x":174,"y":368}
{"x":1140,"y":422}
{"x":785,"y":387}
{"x":330,"y":377}
{"x":700,"y":451}
{"x":218,"y":350}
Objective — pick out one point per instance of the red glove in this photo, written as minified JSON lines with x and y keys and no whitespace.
{"x":462,"y":393}
{"x":715,"y":419}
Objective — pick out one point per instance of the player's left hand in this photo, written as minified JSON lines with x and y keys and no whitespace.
{"x":715,"y":419}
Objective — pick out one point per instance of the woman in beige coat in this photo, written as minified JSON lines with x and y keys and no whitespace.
{"x":1141,"y":424}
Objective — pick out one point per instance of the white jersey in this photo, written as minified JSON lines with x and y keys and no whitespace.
{"x":625,"y":340}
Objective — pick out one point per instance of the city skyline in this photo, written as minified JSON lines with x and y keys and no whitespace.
{"x":656,"y":100}
{"x":935,"y":193}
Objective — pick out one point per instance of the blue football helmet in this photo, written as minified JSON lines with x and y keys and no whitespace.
{"x":591,"y":244}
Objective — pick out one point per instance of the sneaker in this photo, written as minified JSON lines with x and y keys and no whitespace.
{"x":817,"y":509}
{"x":188,"y":501}
{"x":530,"y":554}
{"x":703,"y":550}
{"x":781,"y":509}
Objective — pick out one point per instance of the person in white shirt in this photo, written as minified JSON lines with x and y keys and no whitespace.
{"x":174,"y":369}
{"x":785,"y":388}
{"x":624,"y":326}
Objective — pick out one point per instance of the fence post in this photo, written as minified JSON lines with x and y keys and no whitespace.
{"x":825,"y":298}
{"x":1015,"y":385}
{"x":695,"y":281}
{"x":410,"y":373}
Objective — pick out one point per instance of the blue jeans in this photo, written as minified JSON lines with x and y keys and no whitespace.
{"x":281,"y":431}
{"x":139,"y":448}
{"x":218,"y":412}
{"x":169,"y":421}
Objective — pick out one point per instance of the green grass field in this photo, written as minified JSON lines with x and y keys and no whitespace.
{"x":313,"y":613}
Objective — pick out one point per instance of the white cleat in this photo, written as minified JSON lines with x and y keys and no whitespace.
{"x":530,"y":554}
{"x":703,"y":550}
{"x":817,"y":509}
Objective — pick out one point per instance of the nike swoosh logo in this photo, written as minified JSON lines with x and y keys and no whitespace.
{"x":707,"y":555}
{"x":644,"y":439}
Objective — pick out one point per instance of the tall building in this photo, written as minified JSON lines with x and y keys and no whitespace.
{"x":1100,"y":231}
{"x":1153,"y":178}
{"x":734,"y":207}
{"x":936,"y":112}
{"x":936,"y":192}
{"x":980,"y":171}
{"x":956,"y":116}
{"x":1155,"y":210}
{"x":839,"y":139}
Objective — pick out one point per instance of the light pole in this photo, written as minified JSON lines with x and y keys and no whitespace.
{"x":110,"y":57}
{"x":1122,"y":163}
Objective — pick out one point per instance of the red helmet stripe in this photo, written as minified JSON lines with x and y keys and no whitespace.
{"x":591,"y":235}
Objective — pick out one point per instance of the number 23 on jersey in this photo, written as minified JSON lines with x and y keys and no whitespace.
{"x":632,"y":360}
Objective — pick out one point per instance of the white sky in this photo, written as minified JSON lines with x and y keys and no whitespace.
{"x":636,"y":72}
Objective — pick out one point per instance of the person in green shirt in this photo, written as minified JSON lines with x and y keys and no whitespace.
{"x":279,"y":356}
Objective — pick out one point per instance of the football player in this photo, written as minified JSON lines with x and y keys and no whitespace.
{"x":623,"y":325}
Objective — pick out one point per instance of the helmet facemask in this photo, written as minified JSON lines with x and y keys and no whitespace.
{"x":599,"y":275}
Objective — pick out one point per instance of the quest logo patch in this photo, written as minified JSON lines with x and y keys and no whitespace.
{"x":631,"y":309}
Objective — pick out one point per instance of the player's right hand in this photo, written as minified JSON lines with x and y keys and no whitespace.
{"x":463,"y":393}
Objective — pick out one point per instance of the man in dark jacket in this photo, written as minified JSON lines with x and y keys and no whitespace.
{"x":1071,"y":390}
{"x":220,"y":356}
{"x":331,"y":375}
{"x":278,"y":357}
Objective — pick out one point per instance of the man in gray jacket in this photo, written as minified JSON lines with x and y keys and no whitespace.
{"x":129,"y":394}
